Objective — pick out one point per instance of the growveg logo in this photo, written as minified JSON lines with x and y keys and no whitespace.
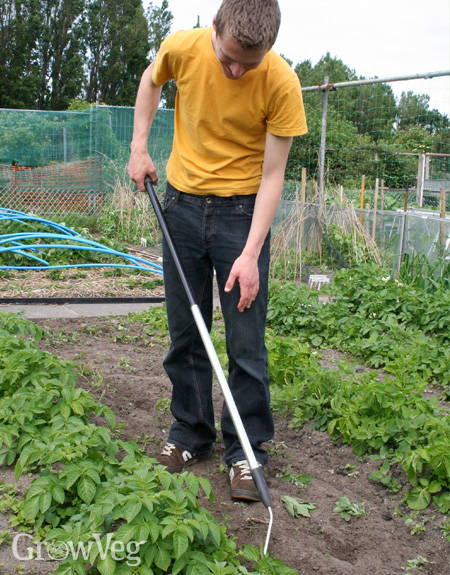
{"x":25,"y":549}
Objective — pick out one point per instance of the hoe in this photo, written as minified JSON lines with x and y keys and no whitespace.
{"x":256,"y":471}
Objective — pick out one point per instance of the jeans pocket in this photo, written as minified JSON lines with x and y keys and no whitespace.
{"x":246,"y":206}
{"x":170,"y":199}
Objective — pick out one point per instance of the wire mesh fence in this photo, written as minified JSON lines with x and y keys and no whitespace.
{"x":58,"y":164}
{"x":62,"y":164}
{"x":382,"y":236}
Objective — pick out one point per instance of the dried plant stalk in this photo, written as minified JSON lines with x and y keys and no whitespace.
{"x":305,"y":226}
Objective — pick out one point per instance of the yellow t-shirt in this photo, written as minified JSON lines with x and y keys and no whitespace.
{"x":221,"y":124}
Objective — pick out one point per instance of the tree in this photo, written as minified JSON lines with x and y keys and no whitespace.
{"x":159,"y":24}
{"x":117,"y":47}
{"x":335,"y":69}
{"x":59,"y":53}
{"x":371,"y":108}
{"x":414,"y":110}
{"x":40,"y":62}
{"x":19,"y":28}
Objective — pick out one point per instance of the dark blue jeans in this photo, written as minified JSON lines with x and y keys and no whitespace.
{"x":209,"y":233}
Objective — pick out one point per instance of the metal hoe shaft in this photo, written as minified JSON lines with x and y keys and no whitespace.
{"x":256,"y":471}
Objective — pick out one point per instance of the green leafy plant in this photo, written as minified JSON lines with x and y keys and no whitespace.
{"x":264,"y":563}
{"x":445,"y":529}
{"x":413,"y":564}
{"x":417,"y":271}
{"x":5,"y":536}
{"x":384,"y":476}
{"x":301,"y":480}
{"x":93,"y":487}
{"x":297,"y":508}
{"x":347,"y":509}
{"x":374,"y":318}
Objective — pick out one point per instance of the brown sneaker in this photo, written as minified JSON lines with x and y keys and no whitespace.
{"x":175,"y":458}
{"x":241,"y":481}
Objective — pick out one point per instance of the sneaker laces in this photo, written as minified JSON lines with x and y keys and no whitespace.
{"x":169,"y":447}
{"x":244,"y":469}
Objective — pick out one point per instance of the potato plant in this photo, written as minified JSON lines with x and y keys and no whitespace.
{"x":94,"y":488}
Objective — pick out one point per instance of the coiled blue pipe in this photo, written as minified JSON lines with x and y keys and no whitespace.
{"x":14,"y":243}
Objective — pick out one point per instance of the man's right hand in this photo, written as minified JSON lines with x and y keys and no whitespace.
{"x":140,"y":166}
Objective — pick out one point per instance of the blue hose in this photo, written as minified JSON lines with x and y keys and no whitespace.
{"x":14,"y":243}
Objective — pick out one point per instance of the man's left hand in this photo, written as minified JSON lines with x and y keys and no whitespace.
{"x":245,"y":271}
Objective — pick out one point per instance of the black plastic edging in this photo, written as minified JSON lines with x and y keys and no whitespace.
{"x":87,"y":300}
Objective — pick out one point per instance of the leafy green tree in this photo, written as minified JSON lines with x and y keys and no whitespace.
{"x":414,"y":110}
{"x":371,"y":108}
{"x":19,"y":28}
{"x":59,"y":53}
{"x":345,"y":148}
{"x":41,"y":57}
{"x":159,"y":24}
{"x":117,"y":46}
{"x":334,"y":68}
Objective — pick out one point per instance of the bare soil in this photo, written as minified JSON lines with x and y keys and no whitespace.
{"x":122,"y":367}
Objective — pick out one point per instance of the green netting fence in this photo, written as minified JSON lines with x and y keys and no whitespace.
{"x":61,"y":164}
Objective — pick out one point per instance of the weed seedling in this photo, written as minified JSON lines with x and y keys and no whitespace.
{"x":301,"y":480}
{"x":163,"y":405}
{"x":350,"y":470}
{"x":124,"y":363}
{"x":297,"y":508}
{"x":415,"y":564}
{"x":347,"y":509}
{"x":274,"y":447}
{"x":5,"y":535}
{"x":445,"y":529}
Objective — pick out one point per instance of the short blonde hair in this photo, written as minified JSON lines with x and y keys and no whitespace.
{"x":254,"y":24}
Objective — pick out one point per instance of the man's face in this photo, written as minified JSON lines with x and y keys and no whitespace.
{"x":234,"y":59}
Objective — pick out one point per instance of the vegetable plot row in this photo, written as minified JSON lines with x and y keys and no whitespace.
{"x":93,"y":487}
{"x":386,"y":325}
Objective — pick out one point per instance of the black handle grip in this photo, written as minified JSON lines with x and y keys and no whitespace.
{"x":261,"y":486}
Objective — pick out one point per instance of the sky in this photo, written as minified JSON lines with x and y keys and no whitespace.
{"x":383,"y":38}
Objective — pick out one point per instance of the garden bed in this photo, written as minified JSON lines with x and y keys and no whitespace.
{"x":121,"y":365}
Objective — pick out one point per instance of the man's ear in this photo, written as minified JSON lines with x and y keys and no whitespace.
{"x":214,"y":23}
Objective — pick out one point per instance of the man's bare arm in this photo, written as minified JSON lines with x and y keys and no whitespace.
{"x":245,"y":268}
{"x":147,"y":102}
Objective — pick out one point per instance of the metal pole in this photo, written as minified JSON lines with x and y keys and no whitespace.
{"x":402,"y":240}
{"x":325,"y":87}
{"x":420,"y":180}
{"x":443,"y":225}
{"x":323,"y":138}
{"x":90,"y":146}
{"x":375,"y":208}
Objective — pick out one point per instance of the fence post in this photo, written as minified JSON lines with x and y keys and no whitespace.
{"x":65,"y":145}
{"x":406,"y":197}
{"x":323,"y":138}
{"x":90,"y":144}
{"x":443,"y":225}
{"x":420,"y":180}
{"x":363,"y":187}
{"x":375,"y":208}
{"x":303,"y":192}
{"x":402,"y":239}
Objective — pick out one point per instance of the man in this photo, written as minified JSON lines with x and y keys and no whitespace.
{"x":237,"y":108}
